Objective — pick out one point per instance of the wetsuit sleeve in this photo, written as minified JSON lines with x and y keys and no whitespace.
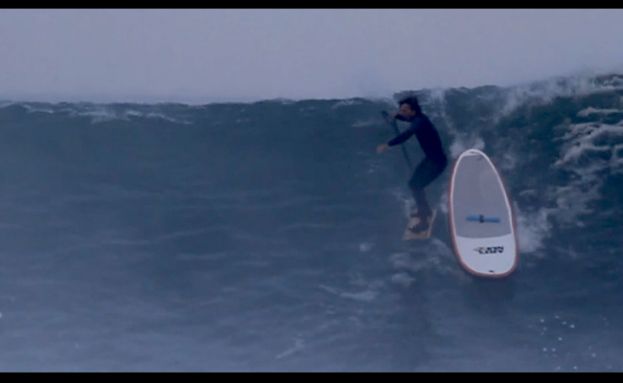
{"x":402,"y":137}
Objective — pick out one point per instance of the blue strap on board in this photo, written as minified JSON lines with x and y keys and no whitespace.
{"x":482,"y":219}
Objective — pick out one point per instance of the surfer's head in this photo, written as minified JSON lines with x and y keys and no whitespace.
{"x":409,"y":107}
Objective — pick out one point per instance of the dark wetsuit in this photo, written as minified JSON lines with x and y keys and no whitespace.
{"x":435,"y":161}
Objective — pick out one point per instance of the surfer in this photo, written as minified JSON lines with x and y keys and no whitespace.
{"x":430,"y":167}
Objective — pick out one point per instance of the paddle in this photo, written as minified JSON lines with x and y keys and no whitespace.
{"x":392,"y":122}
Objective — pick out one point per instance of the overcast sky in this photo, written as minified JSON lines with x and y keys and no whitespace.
{"x":242,"y":55}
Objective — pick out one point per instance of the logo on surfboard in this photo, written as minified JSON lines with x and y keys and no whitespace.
{"x":489,"y":249}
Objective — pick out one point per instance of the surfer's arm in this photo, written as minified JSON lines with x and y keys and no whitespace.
{"x":402,"y":137}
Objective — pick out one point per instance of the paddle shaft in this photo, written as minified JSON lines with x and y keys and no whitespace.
{"x":393,"y":124}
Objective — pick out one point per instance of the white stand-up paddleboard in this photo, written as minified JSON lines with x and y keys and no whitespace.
{"x":481,"y":219}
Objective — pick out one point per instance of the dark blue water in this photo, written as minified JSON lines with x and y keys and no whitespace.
{"x":267,"y":236}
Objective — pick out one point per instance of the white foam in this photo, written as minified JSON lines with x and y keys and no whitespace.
{"x":364,"y":123}
{"x":590,"y":131}
{"x":133,"y":113}
{"x":407,"y":201}
{"x":576,"y":151}
{"x":348,"y":102}
{"x":590,"y":111}
{"x":440,"y":260}
{"x":461,"y":144}
{"x":532,"y":228}
{"x":508,"y":162}
{"x":278,"y":100}
{"x":443,"y":202}
{"x":364,"y":247}
{"x":329,"y":289}
{"x":6,"y":104}
{"x":368,"y":294}
{"x":100,"y":114}
{"x":543,"y":92}
{"x":403,"y":279}
{"x":588,"y":150}
{"x":404,"y":262}
{"x":437,"y":94}
{"x":166,"y":118}
{"x":32,"y":109}
{"x":573,"y":200}
{"x":363,"y":296}
{"x":298,"y":345}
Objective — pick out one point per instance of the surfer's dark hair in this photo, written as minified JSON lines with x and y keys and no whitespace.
{"x":412,"y":102}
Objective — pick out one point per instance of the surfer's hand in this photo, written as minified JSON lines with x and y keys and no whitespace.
{"x":381,"y":148}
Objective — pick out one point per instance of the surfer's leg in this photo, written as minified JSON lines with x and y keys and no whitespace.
{"x":423,"y":208}
{"x":424,"y":174}
{"x":417,"y":183}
